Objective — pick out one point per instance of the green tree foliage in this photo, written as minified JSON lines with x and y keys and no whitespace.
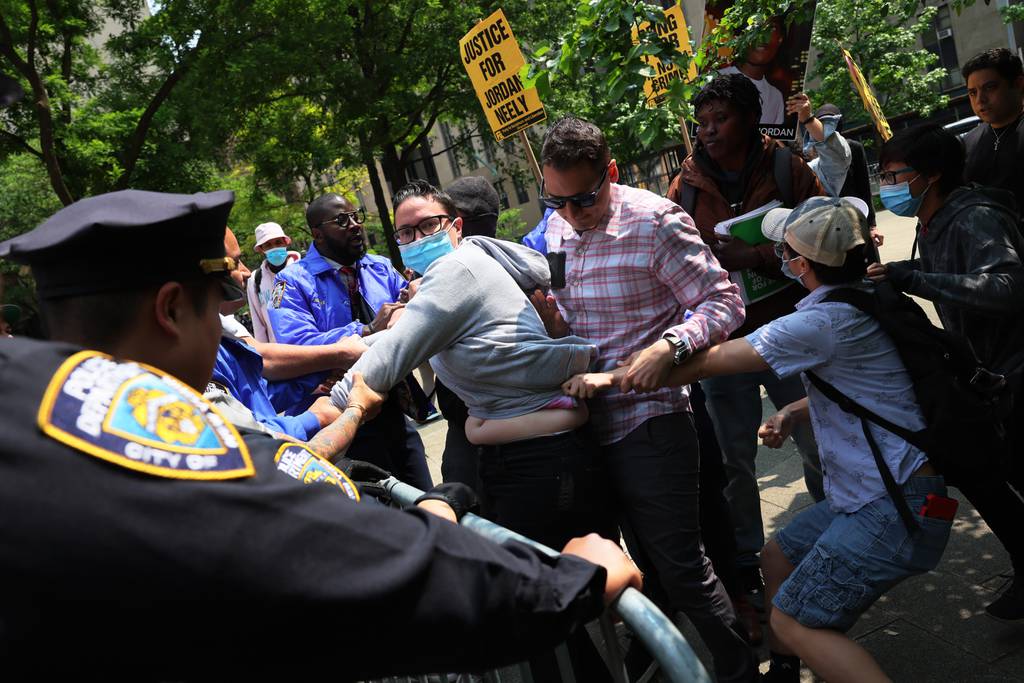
{"x":593,"y":68}
{"x":882,"y":36}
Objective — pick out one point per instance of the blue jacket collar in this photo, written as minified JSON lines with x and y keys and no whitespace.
{"x":317,"y":264}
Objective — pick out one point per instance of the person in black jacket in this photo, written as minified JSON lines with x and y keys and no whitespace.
{"x":152,"y":540}
{"x":971,"y":269}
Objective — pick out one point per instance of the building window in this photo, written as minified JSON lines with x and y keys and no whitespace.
{"x":421,"y":165}
{"x":499,"y":187}
{"x":939,"y":41}
{"x":449,"y":143}
{"x":488,"y":143}
{"x":522,"y":195}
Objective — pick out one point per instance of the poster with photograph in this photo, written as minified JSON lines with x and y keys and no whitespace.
{"x":778,"y":67}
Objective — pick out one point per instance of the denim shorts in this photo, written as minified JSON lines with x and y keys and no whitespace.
{"x":845,"y":561}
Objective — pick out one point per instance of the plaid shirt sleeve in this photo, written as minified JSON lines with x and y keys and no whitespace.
{"x":699,"y":283}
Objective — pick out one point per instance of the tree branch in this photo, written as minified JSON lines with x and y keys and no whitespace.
{"x":21,"y":143}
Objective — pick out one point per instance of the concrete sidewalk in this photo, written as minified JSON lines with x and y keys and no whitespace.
{"x":929,"y":628}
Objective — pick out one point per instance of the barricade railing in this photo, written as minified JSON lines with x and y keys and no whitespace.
{"x":658,"y":634}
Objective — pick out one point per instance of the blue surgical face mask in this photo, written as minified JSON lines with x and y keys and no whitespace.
{"x":898,"y":198}
{"x":277,"y":256}
{"x":788,"y":272}
{"x":420,"y":254}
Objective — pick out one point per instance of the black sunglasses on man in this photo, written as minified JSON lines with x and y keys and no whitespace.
{"x":583,"y":200}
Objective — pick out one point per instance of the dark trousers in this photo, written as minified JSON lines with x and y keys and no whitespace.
{"x":461,"y":460}
{"x":655,"y":475}
{"x":392,"y":443}
{"x":1001,"y":507}
{"x":716,"y":525}
{"x":550,"y":489}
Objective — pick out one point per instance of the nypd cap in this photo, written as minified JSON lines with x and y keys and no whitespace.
{"x":125,"y":240}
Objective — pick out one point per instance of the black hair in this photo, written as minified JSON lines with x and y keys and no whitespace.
{"x":421,"y":188}
{"x":1002,"y":60}
{"x":852,"y":270}
{"x":322,"y":209}
{"x":572,"y":141}
{"x":101,"y":319}
{"x":737,"y":90}
{"x":928,"y":149}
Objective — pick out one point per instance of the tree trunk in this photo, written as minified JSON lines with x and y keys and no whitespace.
{"x":380,"y":199}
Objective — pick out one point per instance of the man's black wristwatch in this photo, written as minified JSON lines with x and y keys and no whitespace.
{"x":682,"y":348}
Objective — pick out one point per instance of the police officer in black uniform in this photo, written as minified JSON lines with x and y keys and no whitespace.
{"x":142,"y":536}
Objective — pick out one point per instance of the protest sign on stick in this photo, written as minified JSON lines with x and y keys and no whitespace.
{"x":493,"y":61}
{"x":867,"y":96}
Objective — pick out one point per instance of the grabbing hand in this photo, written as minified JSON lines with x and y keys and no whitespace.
{"x":364,"y":396}
{"x":799,"y":104}
{"x":877,"y":237}
{"x":622,"y":573}
{"x":650,"y":369}
{"x":588,"y":384}
{"x":735,"y":254}
{"x":349,"y":350}
{"x":383,"y":317}
{"x":776,"y":429}
{"x":406,"y":295}
{"x":549,"y":314}
{"x":877,"y":272}
{"x":326,"y":412}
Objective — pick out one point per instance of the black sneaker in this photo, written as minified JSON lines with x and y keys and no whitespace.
{"x":1010,"y":605}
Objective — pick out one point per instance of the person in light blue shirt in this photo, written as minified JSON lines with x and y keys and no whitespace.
{"x":535,"y":238}
{"x":837,"y":557}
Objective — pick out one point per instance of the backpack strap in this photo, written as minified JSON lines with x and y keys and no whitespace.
{"x":687,"y":197}
{"x":782,"y":160}
{"x":865,"y":415}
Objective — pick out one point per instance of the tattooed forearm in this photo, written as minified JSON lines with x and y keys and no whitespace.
{"x":333,"y":440}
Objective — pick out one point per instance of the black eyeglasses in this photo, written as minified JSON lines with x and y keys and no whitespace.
{"x":889,"y":177}
{"x":583,"y":200}
{"x":347,"y":219}
{"x":425,"y":228}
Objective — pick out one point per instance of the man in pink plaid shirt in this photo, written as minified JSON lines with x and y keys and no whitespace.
{"x":639,"y":280}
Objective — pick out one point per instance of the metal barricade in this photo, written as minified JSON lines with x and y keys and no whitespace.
{"x":677,"y":661}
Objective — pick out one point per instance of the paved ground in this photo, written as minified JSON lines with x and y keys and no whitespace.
{"x":930,"y":628}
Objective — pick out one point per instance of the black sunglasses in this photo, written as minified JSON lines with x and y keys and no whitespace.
{"x":347,"y":219}
{"x":583,"y":200}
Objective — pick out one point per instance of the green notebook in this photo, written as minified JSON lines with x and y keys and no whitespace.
{"x":753,"y":286}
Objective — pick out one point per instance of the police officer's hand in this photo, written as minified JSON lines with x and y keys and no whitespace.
{"x":349,"y":351}
{"x":622,"y":573}
{"x":380,"y":321}
{"x":455,"y":501}
{"x":735,"y":254}
{"x":877,"y":272}
{"x":549,"y":314}
{"x":325,"y":411}
{"x":365,"y":397}
{"x":650,"y":369}
{"x":361,"y":471}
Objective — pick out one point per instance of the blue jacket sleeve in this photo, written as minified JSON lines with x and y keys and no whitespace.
{"x":301,"y":427}
{"x":291,"y":316}
{"x":287,"y":394}
{"x":535,"y":238}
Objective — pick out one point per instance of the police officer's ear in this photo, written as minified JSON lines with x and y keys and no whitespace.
{"x":175,"y":307}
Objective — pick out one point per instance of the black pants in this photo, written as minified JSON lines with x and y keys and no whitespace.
{"x":716,"y":528}
{"x":392,"y":443}
{"x":550,"y":489}
{"x":1001,"y":507}
{"x":655,"y":475}
{"x":461,"y":460}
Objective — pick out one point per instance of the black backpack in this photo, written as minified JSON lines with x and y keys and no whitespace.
{"x":963,"y":403}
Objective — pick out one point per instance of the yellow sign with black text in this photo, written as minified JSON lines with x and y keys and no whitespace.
{"x":672,"y":28}
{"x":492,"y":59}
{"x":867,"y":96}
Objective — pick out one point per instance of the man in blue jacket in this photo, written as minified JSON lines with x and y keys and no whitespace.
{"x":338,"y":290}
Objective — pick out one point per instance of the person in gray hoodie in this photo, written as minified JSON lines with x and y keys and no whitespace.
{"x":971,"y":268}
{"x":472,"y":319}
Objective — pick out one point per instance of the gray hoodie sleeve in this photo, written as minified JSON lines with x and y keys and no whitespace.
{"x":438,"y":315}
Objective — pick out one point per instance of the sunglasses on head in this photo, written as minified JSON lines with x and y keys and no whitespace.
{"x":583,"y":200}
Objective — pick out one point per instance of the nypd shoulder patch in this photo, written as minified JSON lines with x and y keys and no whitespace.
{"x":300,"y":463}
{"x":139,"y":417}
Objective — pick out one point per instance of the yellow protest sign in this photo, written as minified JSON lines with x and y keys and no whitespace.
{"x":673,"y":28}
{"x":492,"y":59}
{"x":867,"y":96}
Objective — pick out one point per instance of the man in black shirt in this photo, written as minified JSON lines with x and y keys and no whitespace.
{"x":995,"y":86}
